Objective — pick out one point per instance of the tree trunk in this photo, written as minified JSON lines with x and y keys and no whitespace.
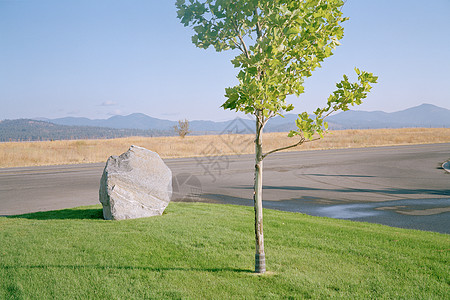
{"x":260,"y":257}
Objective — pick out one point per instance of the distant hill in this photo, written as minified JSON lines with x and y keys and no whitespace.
{"x":425,"y":115}
{"x":33,"y":130}
{"x":133,"y":121}
{"x":142,"y":121}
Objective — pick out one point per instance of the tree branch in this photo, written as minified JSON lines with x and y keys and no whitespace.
{"x":302,"y":140}
{"x":238,"y":46}
{"x":244,"y":46}
{"x":271,"y":114}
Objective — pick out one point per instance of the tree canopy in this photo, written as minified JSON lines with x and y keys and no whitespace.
{"x":281,"y":42}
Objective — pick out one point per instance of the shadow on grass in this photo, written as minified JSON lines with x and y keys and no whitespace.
{"x":63,"y":214}
{"x":131,"y":268}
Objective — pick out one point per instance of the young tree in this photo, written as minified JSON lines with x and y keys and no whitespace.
{"x":182,"y":128}
{"x":280,"y":43}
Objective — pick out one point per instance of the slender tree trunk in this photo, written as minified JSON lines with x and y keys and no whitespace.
{"x":260,"y":257}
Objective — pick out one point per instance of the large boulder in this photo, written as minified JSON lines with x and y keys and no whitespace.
{"x":135,"y":184}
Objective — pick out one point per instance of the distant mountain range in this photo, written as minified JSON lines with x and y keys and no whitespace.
{"x":33,"y":130}
{"x":425,"y":115}
{"x":139,"y":121}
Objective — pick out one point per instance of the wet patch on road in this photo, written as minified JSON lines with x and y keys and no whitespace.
{"x":416,"y":212}
{"x":424,"y":214}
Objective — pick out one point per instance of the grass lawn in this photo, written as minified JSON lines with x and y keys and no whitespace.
{"x":199,"y":251}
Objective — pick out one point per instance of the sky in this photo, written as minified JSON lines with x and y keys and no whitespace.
{"x":99,"y":58}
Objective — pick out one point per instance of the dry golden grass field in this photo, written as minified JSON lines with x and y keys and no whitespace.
{"x":18,"y":154}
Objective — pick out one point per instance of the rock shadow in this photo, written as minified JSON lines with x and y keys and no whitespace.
{"x":64,"y":214}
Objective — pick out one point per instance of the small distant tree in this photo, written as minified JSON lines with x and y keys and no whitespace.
{"x":182,"y":128}
{"x":280,"y":43}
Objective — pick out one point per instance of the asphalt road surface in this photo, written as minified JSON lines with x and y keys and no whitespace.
{"x":401,"y":186}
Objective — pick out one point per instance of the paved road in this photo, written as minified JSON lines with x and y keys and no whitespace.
{"x":401,"y":186}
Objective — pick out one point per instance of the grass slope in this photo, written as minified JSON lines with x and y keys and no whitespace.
{"x":199,"y":251}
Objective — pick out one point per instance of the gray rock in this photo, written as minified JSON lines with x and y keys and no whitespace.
{"x":135,"y":184}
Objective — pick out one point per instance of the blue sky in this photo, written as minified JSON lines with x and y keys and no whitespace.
{"x":98,"y":58}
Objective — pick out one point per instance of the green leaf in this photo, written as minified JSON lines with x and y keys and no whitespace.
{"x":252,"y":71}
{"x":292,"y":133}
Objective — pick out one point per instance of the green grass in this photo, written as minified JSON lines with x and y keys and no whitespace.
{"x":199,"y":251}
